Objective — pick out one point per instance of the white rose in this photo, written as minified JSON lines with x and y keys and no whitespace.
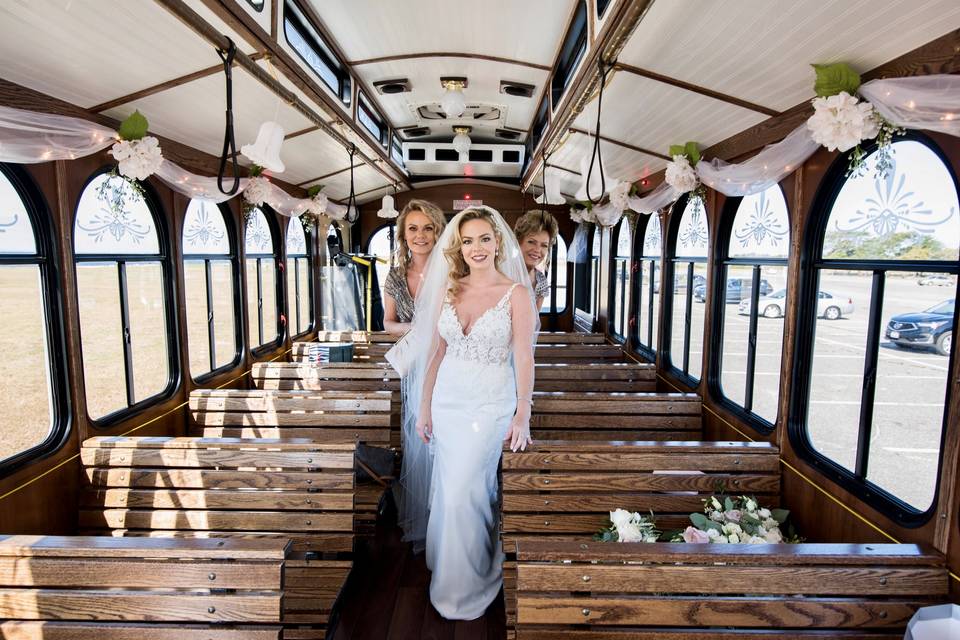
{"x":751,"y":506}
{"x":841,"y":122}
{"x":731,"y":528}
{"x":773,"y":536}
{"x":770,"y":523}
{"x":619,"y":195}
{"x":756,"y":540}
{"x":620,"y":517}
{"x":681,"y":176}
{"x":318,"y":203}
{"x":716,"y":516}
{"x":733,"y":538}
{"x":629,"y":532}
{"x":764,"y":513}
{"x":256,"y":191}
{"x":713,"y":534}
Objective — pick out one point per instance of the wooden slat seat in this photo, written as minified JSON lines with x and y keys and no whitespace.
{"x":606,"y":416}
{"x":557,"y":352}
{"x":698,"y":591}
{"x":544,"y":337}
{"x":613,"y":376}
{"x":231,"y":488}
{"x":104,"y":587}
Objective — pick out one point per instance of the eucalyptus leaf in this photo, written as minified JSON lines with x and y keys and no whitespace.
{"x":702,"y":522}
{"x":727,"y":504}
{"x":134,"y":127}
{"x":834,"y":78}
{"x":780,"y":515}
{"x":749,"y":518}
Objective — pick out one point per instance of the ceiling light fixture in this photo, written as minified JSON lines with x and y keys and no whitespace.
{"x":453,"y":103}
{"x":461,"y":141}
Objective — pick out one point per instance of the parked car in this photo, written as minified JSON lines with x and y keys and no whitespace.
{"x":829,"y":306}
{"x":679,"y":285}
{"x":737,"y":290}
{"x":930,"y":328}
{"x":936,"y":281}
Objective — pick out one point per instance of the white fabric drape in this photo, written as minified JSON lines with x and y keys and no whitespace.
{"x":195,"y":186}
{"x":657,"y":199}
{"x":931,"y":103}
{"x":27,"y":137}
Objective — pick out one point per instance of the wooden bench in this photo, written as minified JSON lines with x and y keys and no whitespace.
{"x":605,"y":416}
{"x":613,"y":376}
{"x":544,"y":337}
{"x":115,"y":588}
{"x":710,"y":591}
{"x":232,"y":488}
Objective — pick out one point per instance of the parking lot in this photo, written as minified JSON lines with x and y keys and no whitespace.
{"x":911,"y":384}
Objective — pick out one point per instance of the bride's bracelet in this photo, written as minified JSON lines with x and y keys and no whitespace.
{"x":525,"y":399}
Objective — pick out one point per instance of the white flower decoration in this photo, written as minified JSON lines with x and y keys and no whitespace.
{"x":841,"y":122}
{"x":138,"y":159}
{"x":681,"y":175}
{"x":620,"y":517}
{"x":619,"y":195}
{"x":318,"y":204}
{"x":256,"y":191}
{"x":575,"y":215}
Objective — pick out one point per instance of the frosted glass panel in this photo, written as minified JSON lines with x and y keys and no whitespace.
{"x":296,"y":239}
{"x":651,"y":238}
{"x":204,"y":231}
{"x":112,"y":218}
{"x":257,"y":236}
{"x":16,"y":232}
{"x":761,"y":228}
{"x":692,"y":239}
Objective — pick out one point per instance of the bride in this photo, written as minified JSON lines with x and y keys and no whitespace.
{"x":468,"y":389}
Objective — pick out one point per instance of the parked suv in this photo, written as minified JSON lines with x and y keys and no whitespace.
{"x":737,"y":289}
{"x":930,"y":328}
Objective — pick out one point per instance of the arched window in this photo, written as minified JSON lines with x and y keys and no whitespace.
{"x":211,"y":282}
{"x":593,"y":275}
{"x":34,"y":402}
{"x":621,"y":281}
{"x":648,"y":283}
{"x":382,"y":245}
{"x":688,"y":244}
{"x":751,"y":303}
{"x":875,"y":336}
{"x":334,"y":237}
{"x":263,"y":299}
{"x":556,"y":302}
{"x":123,"y":290}
{"x":299,"y":280}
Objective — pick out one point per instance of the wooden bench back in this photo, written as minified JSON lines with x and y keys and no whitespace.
{"x":685,"y":591}
{"x":567,"y":489}
{"x":612,"y":376}
{"x":544,"y":337}
{"x":616,"y":416}
{"x":323,"y":416}
{"x":50,"y":585}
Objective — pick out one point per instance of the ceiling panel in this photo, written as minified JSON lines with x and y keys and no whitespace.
{"x":194,"y":113}
{"x":88,"y":52}
{"x":653,"y":115}
{"x":484,"y":88}
{"x":364,"y":178}
{"x":530,"y":30}
{"x":761,"y":51}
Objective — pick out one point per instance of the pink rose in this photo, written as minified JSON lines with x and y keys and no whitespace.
{"x":733,"y":515}
{"x":692,"y":534}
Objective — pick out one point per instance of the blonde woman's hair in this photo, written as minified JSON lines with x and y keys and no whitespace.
{"x":534,"y":222}
{"x":427,"y":208}
{"x":458,"y":266}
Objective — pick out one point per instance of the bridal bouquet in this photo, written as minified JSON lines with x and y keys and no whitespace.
{"x":735,"y":520}
{"x":626,"y":526}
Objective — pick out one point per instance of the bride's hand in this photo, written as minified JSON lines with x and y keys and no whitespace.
{"x":519,"y":433}
{"x":425,"y":426}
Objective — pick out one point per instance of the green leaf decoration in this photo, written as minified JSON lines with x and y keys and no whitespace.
{"x":834,"y":78}
{"x":676,"y":150}
{"x":314,"y":190}
{"x":780,"y":515}
{"x":727,"y":504}
{"x":702,"y":522}
{"x":692,"y":151}
{"x":256,"y":171}
{"x":134,"y":127}
{"x":749,"y":518}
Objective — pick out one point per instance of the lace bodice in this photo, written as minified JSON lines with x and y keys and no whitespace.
{"x":490,"y":337}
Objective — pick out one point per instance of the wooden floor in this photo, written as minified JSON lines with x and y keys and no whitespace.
{"x":387,"y":596}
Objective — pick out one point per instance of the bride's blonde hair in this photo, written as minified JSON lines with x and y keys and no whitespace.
{"x":458,"y":266}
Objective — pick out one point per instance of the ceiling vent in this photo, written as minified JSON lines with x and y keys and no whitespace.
{"x":392,"y":86}
{"x":479,"y":161}
{"x":434,"y":111}
{"x":508,"y":134}
{"x":415,"y":132}
{"x":517,"y":89}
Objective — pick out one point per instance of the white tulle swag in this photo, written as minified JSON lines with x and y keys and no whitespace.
{"x":842,"y":121}
{"x":575,"y":215}
{"x":257,"y":190}
{"x":620,"y":194}
{"x":318,"y":203}
{"x":138,"y":159}
{"x":681,"y":175}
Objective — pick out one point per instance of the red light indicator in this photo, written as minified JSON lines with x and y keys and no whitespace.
{"x":467,"y":196}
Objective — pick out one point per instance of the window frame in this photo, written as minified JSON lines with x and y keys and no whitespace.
{"x":46,"y":257}
{"x":812,"y":263}
{"x":649,"y":348}
{"x":165,"y":259}
{"x":279,"y":284}
{"x":602,"y":6}
{"x":717,"y":299}
{"x":623,"y":286}
{"x":593,"y":272}
{"x":300,"y":21}
{"x":293,"y":297}
{"x":668,"y":281}
{"x":365,"y":107}
{"x":396,"y":150}
{"x":234,"y":259}
{"x":573,"y":50}
{"x":555,"y":308}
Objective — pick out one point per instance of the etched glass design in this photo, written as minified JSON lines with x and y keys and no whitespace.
{"x":761,"y":228}
{"x":204,"y":230}
{"x":652,"y":238}
{"x":112,"y":218}
{"x":693,"y":236}
{"x":296,"y":239}
{"x":258,"y":239}
{"x":16,"y":232}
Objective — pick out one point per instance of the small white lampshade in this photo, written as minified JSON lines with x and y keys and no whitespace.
{"x":453,"y":103}
{"x":461,"y":142}
{"x":939,"y":622}
{"x":266,"y":150}
{"x":387,"y":210}
{"x":553,"y":195}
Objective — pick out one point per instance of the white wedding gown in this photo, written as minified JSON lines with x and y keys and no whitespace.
{"x":474,"y":400}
